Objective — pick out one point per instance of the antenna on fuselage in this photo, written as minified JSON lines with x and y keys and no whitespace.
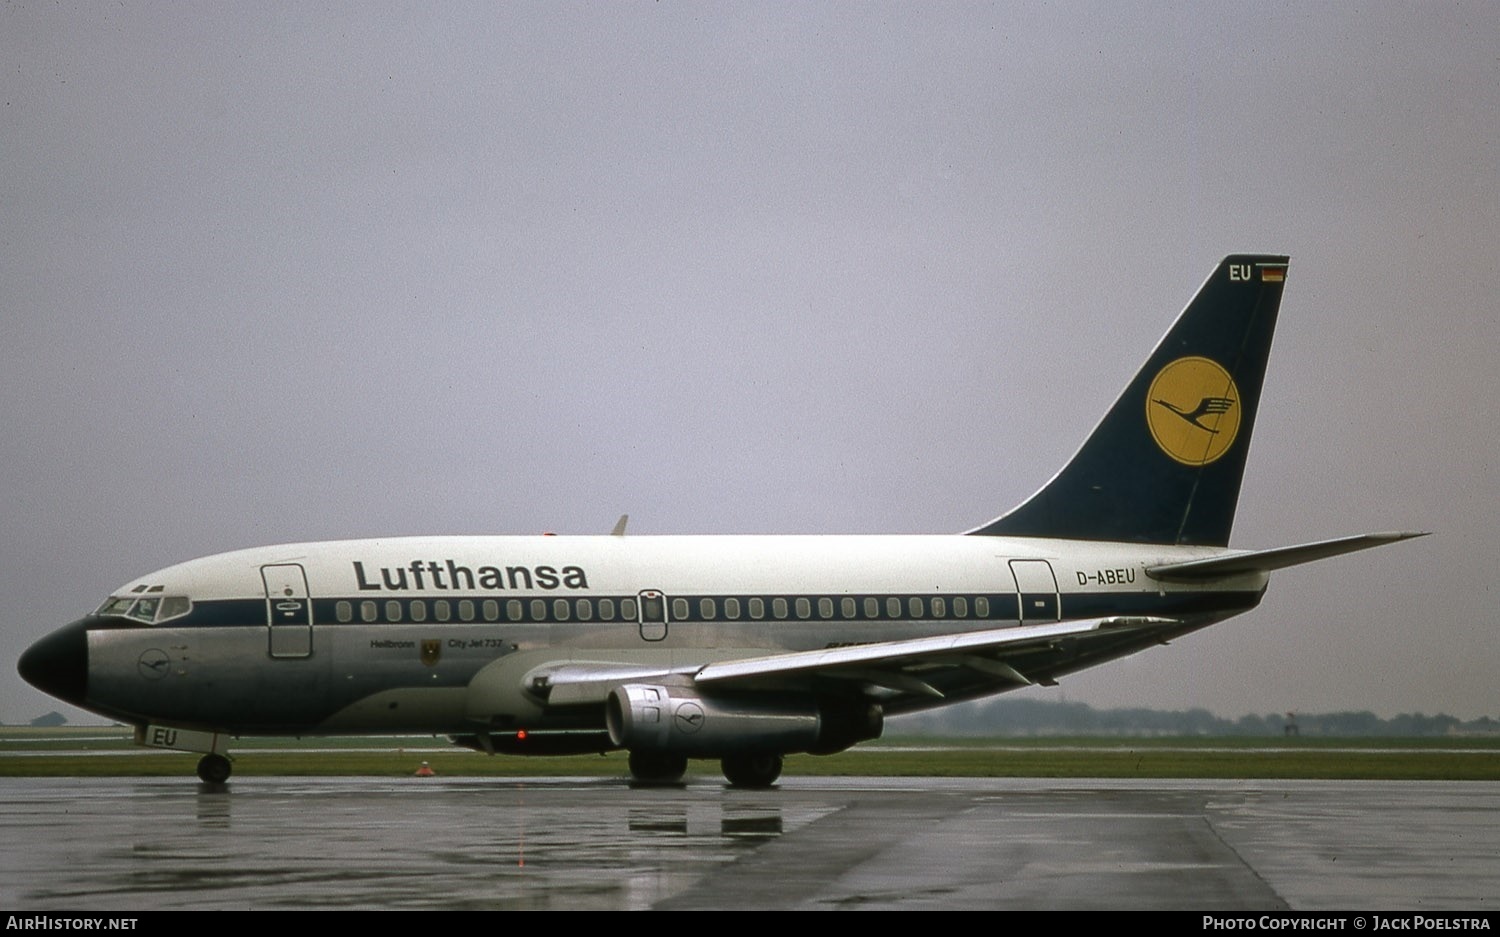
{"x":619,"y":530}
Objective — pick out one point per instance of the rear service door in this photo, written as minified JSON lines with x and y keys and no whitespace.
{"x":1036,"y":588}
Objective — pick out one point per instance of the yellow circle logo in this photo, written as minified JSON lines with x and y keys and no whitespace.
{"x":1193,"y":409}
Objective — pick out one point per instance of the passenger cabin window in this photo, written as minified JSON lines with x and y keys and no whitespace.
{"x":441,"y":610}
{"x":344,"y":610}
{"x":732,"y":609}
{"x":367,"y":610}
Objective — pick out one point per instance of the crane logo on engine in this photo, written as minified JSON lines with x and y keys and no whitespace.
{"x":688,"y":718}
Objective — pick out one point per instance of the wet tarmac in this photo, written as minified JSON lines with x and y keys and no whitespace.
{"x":836,"y":843}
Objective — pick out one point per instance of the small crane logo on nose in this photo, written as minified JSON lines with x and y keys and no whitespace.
{"x":153,"y":664}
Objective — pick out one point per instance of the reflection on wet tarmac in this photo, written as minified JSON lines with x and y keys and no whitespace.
{"x":1226,"y":846}
{"x":752,"y":823}
{"x":263,"y":843}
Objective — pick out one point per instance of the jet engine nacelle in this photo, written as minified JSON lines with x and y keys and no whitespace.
{"x":678,"y":719}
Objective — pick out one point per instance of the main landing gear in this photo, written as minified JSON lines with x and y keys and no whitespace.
{"x":214,"y":769}
{"x":757,"y":771}
{"x":752,"y":771}
{"x":657,"y":767}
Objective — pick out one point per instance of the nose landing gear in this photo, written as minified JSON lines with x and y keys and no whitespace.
{"x":214,"y":769}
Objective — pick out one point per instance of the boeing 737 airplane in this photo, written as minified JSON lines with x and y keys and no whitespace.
{"x":740,"y":648}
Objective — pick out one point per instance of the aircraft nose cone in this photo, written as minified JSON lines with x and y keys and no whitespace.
{"x":59,"y":663}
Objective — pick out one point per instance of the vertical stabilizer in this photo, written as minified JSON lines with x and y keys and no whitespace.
{"x":1165,"y":464}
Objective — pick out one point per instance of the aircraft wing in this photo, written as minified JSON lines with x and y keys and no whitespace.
{"x":979,"y":650}
{"x":916,"y":669}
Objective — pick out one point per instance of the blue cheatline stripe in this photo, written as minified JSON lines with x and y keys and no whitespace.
{"x":979,"y":608}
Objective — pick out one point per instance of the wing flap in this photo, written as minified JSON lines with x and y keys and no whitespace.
{"x":894,"y":656}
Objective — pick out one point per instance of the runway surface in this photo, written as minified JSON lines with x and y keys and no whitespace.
{"x":812,"y":843}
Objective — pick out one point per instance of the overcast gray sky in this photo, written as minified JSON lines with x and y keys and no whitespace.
{"x":274,"y":272}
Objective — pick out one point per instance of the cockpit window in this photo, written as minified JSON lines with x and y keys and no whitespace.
{"x":145,"y":609}
{"x":174,"y":606}
{"x":115,"y":605}
{"x":149,"y":609}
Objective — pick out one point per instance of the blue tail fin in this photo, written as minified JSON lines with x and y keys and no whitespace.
{"x":1165,"y":464}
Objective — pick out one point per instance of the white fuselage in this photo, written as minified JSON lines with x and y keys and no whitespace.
{"x":394,"y":634}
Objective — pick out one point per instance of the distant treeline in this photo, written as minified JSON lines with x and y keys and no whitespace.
{"x":1025,"y":717}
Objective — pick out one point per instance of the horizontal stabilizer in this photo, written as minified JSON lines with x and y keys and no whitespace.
{"x":1263,"y":561}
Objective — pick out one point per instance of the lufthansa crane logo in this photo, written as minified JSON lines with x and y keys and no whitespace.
{"x":689,"y":718}
{"x":153,"y":664}
{"x":1193,"y":410}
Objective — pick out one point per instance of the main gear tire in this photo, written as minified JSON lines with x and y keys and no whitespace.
{"x":752,"y":771}
{"x":657,"y":767}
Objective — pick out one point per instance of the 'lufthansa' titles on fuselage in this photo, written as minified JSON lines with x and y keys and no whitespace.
{"x":449,"y":575}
